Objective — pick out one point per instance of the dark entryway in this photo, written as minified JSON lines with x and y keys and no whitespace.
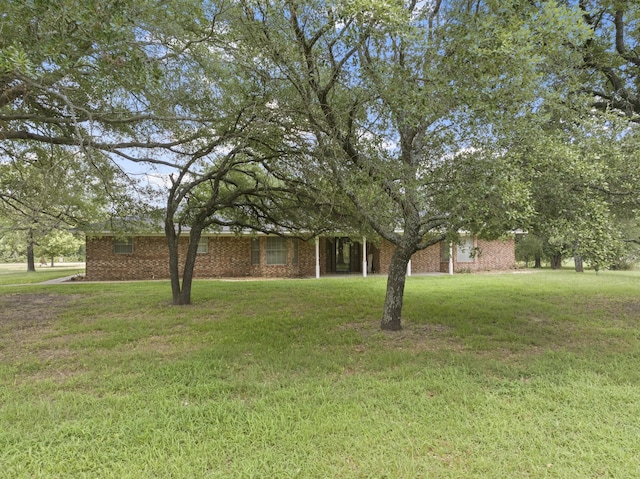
{"x":344,"y":255}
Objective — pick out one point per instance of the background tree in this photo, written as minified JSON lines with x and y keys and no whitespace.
{"x":612,"y":79}
{"x":59,"y":243}
{"x":571,"y":216}
{"x":44,"y":188}
{"x":529,"y":248}
{"x":630,"y":255}
{"x":12,"y":245}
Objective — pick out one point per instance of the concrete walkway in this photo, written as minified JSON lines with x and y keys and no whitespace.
{"x":65,"y":279}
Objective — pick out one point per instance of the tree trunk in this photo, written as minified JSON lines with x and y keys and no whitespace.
{"x":31,"y":260}
{"x":52,"y":259}
{"x":556,"y":261}
{"x":174,"y":272}
{"x":577,"y":259}
{"x":538,"y":261}
{"x":392,"y":314}
{"x":181,"y":292}
{"x":189,"y":265}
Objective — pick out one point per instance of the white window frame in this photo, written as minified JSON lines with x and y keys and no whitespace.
{"x":465,"y":250}
{"x":276,"y":250}
{"x":445,"y":250}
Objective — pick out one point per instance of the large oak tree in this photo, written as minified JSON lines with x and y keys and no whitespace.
{"x":409,"y":105}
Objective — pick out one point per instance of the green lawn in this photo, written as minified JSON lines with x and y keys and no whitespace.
{"x":494,"y":376}
{"x":16,"y":273}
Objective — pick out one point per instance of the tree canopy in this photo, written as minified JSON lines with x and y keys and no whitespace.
{"x":612,"y":56}
{"x":46,"y":187}
{"x":408,"y":107}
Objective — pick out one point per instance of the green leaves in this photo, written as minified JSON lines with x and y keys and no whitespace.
{"x":580,"y":167}
{"x":59,"y":243}
{"x":14,"y":60}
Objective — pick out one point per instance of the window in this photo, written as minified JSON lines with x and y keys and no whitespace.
{"x":203,"y":246}
{"x":276,"y":250}
{"x":294,"y":256}
{"x":444,"y":251}
{"x":465,"y":250}
{"x":123,"y":245}
{"x":255,"y":251}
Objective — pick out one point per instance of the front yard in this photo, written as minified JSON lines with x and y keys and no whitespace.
{"x":495,"y":375}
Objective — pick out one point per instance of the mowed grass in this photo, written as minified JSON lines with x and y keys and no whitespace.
{"x":16,"y":273}
{"x":495,"y":375}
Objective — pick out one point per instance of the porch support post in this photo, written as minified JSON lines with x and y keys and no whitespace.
{"x":409,"y":268}
{"x":317,"y":257}
{"x":450,"y":257}
{"x":364,"y":256}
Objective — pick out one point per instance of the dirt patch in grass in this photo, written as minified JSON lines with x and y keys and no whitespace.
{"x":29,"y":310}
{"x":423,"y":337}
{"x":416,"y":337}
{"x":627,"y":311}
{"x":25,"y":320}
{"x":598,"y":324}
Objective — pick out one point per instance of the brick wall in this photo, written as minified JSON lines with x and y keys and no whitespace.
{"x":492,"y":255}
{"x":306,"y":265}
{"x":426,"y":260}
{"x":148,"y":260}
{"x":230,"y":256}
{"x":227,"y":256}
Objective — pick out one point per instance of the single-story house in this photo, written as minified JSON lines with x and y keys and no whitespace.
{"x":225,"y":254}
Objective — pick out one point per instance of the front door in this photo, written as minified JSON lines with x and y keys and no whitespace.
{"x":343,"y":255}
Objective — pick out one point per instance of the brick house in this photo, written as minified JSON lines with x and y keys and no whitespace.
{"x":145,"y":256}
